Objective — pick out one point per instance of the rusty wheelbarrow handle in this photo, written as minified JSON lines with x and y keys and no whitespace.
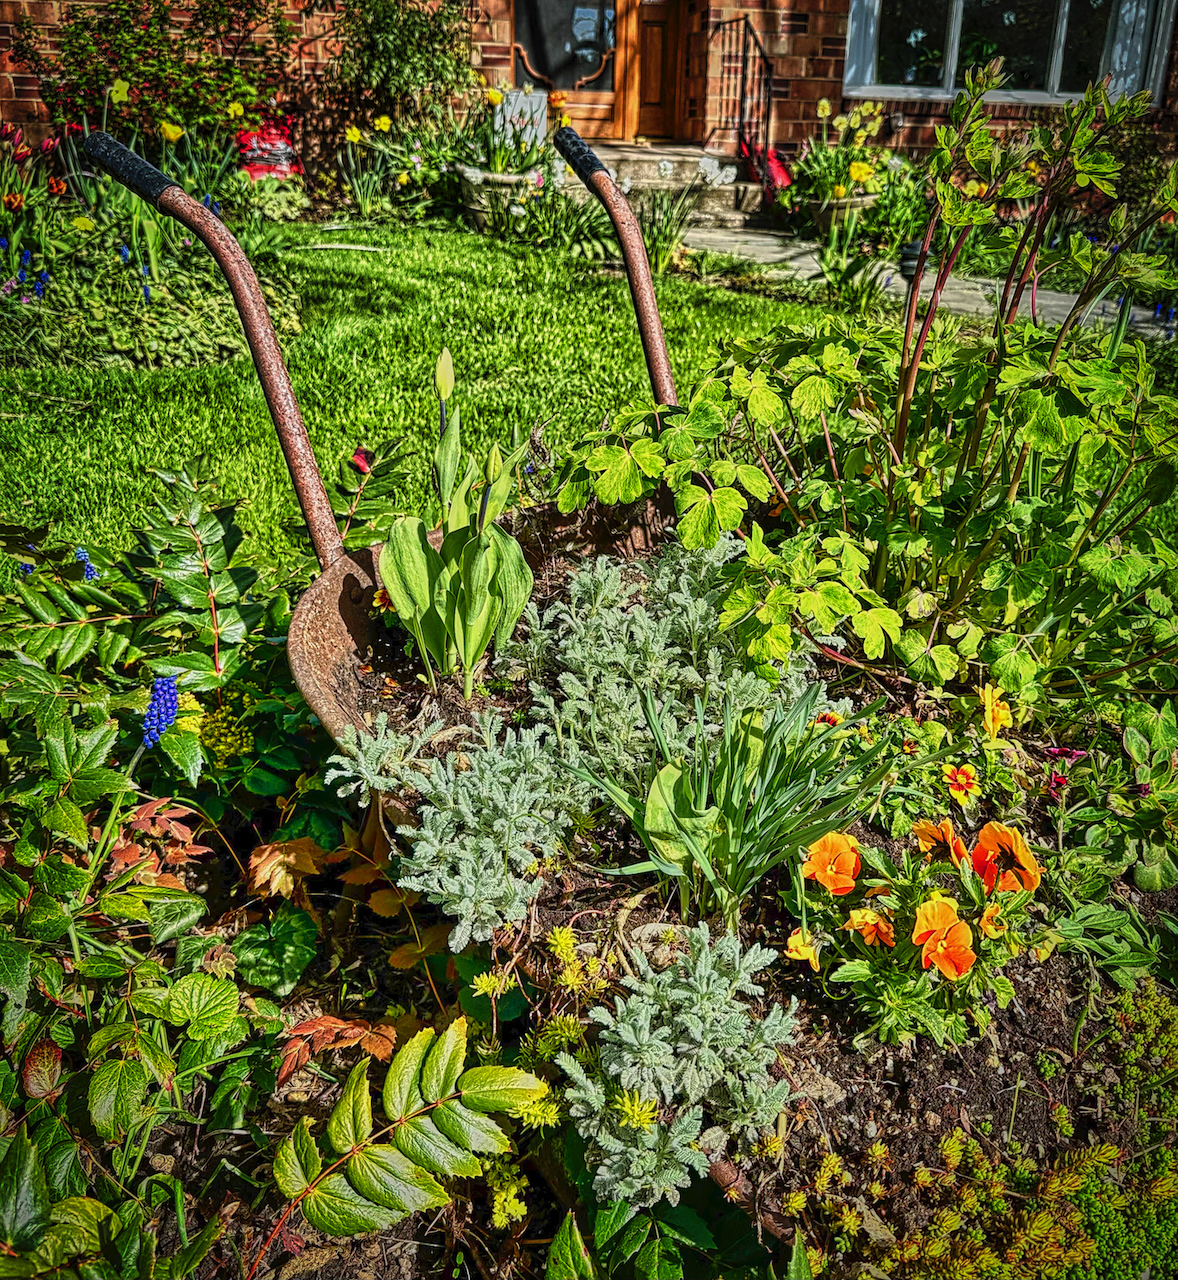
{"x":594,"y":175}
{"x":169,"y":198}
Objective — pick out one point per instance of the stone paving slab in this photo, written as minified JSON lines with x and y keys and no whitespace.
{"x":787,"y":257}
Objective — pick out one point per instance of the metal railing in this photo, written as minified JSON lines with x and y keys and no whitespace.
{"x":745,"y":96}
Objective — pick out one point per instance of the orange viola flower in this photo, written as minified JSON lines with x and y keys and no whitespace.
{"x":943,"y":938}
{"x":801,"y":947}
{"x":829,"y":718}
{"x":382,"y":601}
{"x":940,"y":840}
{"x":909,"y":747}
{"x":14,"y":201}
{"x":1003,"y":861}
{"x":962,"y":781}
{"x":55,"y":186}
{"x":833,"y":862}
{"x":990,"y":923}
{"x":873,"y":928}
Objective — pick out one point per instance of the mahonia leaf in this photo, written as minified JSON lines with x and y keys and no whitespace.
{"x":388,"y":1178}
{"x":499,"y":1088}
{"x":424,"y":1144}
{"x":337,"y":1209}
{"x":350,"y":1123}
{"x":469,"y":1129}
{"x":444,"y":1064}
{"x":297,"y":1162}
{"x":401,"y":1083}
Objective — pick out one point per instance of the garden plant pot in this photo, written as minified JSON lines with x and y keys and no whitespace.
{"x":476,"y":191}
{"x":836,"y":212}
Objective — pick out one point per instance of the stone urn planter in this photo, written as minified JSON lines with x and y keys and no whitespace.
{"x":835,"y":212}
{"x":477,"y":187}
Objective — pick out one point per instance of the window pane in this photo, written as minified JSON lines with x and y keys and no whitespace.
{"x":1018,"y":30}
{"x":1083,"y":49}
{"x":566,"y":43}
{"x":912,"y":42}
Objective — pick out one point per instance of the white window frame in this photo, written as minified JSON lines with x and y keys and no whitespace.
{"x":1137,"y":60}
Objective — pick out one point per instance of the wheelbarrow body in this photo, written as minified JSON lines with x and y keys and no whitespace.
{"x":332,"y":627}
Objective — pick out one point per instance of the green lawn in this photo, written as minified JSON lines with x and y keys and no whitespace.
{"x":535,"y":338}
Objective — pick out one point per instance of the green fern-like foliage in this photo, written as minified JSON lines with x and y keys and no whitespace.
{"x":438,"y":1124}
{"x":384,"y":760}
{"x":683,"y":1046}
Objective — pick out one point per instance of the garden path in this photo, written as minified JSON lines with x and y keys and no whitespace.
{"x":787,"y":257}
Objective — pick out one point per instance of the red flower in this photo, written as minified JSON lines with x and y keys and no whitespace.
{"x":55,"y":186}
{"x":14,"y":201}
{"x":363,"y":459}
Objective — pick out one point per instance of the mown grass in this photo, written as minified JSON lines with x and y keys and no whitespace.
{"x":536,"y":338}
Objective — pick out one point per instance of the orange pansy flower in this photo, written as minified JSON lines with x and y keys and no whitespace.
{"x":801,"y":947}
{"x":943,"y":938}
{"x":940,"y":840}
{"x":990,"y":923}
{"x":1003,"y":861}
{"x":873,"y":928}
{"x":962,"y":781}
{"x":833,"y":862}
{"x":382,"y":601}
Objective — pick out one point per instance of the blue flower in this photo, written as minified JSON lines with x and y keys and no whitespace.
{"x":3,"y":243}
{"x":82,"y":556}
{"x":125,"y":254}
{"x":217,"y":207}
{"x":44,"y":277}
{"x":161,"y":710}
{"x":147,"y":293}
{"x":207,"y":200}
{"x":39,"y":289}
{"x":26,"y":258}
{"x":143,"y":268}
{"x":22,"y":275}
{"x":25,"y":568}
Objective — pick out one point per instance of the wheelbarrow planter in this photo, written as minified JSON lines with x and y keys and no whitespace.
{"x":332,"y":629}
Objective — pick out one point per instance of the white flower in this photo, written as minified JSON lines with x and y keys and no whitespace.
{"x":666,"y":168}
{"x":516,"y":210}
{"x":472,"y":175}
{"x":625,"y":185}
{"x":727,"y":176}
{"x":558,"y":178}
{"x":709,"y":166}
{"x":613,"y":174}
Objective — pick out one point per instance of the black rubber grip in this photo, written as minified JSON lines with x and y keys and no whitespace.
{"x":130,"y":169}
{"x":578,"y":153}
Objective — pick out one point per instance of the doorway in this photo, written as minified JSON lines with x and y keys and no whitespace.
{"x":658,"y":62}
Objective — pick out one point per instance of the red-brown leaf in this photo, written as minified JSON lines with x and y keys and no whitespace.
{"x":432,"y":941}
{"x":42,"y":1069}
{"x":379,"y":1040}
{"x":275,"y":867}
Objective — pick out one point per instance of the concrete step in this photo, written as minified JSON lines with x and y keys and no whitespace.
{"x":671,"y":166}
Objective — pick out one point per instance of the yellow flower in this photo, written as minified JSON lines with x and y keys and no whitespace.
{"x":962,"y":781}
{"x":562,"y":942}
{"x":974,"y":188}
{"x":235,"y":109}
{"x":990,"y":923}
{"x":1033,"y":168}
{"x":171,"y":131}
{"x":823,"y":108}
{"x":861,"y":171}
{"x":84,"y":224}
{"x":856,"y":118}
{"x":860,"y":137}
{"x":996,"y":714}
{"x":119,"y":91}
{"x":874,"y":127}
{"x":382,"y":124}
{"x":801,"y":947}
{"x":839,"y":122}
{"x":352,"y":133}
{"x":634,"y":1111}
{"x":494,"y":97}
{"x":868,"y":108}
{"x":839,"y":191}
{"x":403,"y":179}
{"x":565,"y":121}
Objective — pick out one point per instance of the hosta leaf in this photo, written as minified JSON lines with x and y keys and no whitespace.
{"x":469,"y":1129}
{"x":207,"y":1004}
{"x":401,"y":1083}
{"x":350,"y":1122}
{"x":499,"y":1088}
{"x":116,"y":1095}
{"x":388,"y":1178}
{"x":297,"y":1162}
{"x":444,"y":1064}
{"x":422,"y":1142}
{"x":337,"y":1209}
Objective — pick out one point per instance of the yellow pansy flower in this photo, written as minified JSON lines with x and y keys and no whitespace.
{"x":235,"y":110}
{"x":382,"y":124}
{"x":353,"y":134}
{"x":172,"y":132}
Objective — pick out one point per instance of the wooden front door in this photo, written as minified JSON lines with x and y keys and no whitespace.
{"x":658,"y":56}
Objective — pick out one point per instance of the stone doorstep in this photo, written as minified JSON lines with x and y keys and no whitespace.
{"x":641,"y":164}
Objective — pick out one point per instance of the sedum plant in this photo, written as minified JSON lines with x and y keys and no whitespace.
{"x":683,"y":1046}
{"x":454,"y":600}
{"x":438,"y":1125}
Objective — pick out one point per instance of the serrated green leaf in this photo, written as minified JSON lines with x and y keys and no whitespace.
{"x":337,"y":1209}
{"x":386,"y":1177}
{"x":401,"y":1083}
{"x":424,"y":1144}
{"x":171,"y":917}
{"x":116,"y":1096}
{"x":207,"y":1004}
{"x":276,"y":957}
{"x":468,"y":1129}
{"x":297,"y":1162}
{"x":872,"y":625}
{"x":499,"y":1089}
{"x":610,"y":1219}
{"x":24,"y":1195}
{"x":659,"y":1259}
{"x":444,"y":1064}
{"x":568,"y":1255}
{"x":350,"y":1122}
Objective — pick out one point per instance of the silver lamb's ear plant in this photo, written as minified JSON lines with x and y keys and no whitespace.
{"x":457,"y":599}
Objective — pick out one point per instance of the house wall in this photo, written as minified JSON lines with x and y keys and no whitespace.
{"x":805,"y":39}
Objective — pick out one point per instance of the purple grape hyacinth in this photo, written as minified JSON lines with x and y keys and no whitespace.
{"x":82,"y":556}
{"x":161,"y":710}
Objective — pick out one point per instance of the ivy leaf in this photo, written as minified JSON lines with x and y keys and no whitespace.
{"x":207,"y":1004}
{"x":499,"y":1088}
{"x":568,"y":1255}
{"x":872,"y":625}
{"x":116,"y":1094}
{"x":388,"y":1178}
{"x":297,"y":1162}
{"x":350,"y":1123}
{"x":24,"y":1195}
{"x":275,"y":957}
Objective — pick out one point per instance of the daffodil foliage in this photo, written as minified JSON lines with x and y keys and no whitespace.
{"x":438,"y":1123}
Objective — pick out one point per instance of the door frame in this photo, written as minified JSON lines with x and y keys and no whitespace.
{"x":583,"y":106}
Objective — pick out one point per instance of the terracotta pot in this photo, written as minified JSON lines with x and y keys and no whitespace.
{"x":476,"y":195}
{"x":836,"y":212}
